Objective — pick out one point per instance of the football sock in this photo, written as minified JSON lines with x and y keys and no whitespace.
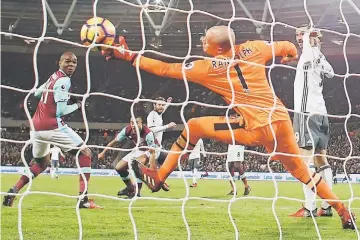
{"x":35,"y":170}
{"x":244,"y":180}
{"x":139,"y":183}
{"x":242,"y":176}
{"x":52,"y":171}
{"x":194,"y":175}
{"x":300,"y":171}
{"x":125,"y":176}
{"x":85,"y":165}
{"x":171,"y":162}
{"x":310,"y":197}
{"x":326,"y":173}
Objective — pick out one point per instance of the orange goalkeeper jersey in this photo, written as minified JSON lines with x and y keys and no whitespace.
{"x":247,"y":75}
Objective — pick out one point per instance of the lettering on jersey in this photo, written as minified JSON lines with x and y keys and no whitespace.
{"x":219,"y":63}
{"x":244,"y":53}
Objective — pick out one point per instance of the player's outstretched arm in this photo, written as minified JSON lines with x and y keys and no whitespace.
{"x":194,"y":71}
{"x":168,"y":101}
{"x":155,"y":129}
{"x":328,"y":69}
{"x":284,"y":49}
{"x":62,"y":154}
{"x":121,"y":136}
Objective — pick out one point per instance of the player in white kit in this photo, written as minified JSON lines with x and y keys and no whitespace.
{"x":310,"y":108}
{"x":156,"y":124}
{"x":194,"y":160}
{"x":55,"y":152}
{"x":235,"y":159}
{"x":155,"y":121}
{"x":47,"y":127}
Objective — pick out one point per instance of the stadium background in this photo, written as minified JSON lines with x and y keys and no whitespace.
{"x":48,"y":216}
{"x":169,"y":36}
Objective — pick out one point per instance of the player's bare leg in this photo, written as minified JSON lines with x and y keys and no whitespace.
{"x":85,"y":157}
{"x":239,"y":167}
{"x":40,"y":165}
{"x":232,"y":174}
{"x":326,"y":173}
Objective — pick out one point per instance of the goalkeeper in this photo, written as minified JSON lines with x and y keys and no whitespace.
{"x":263,"y":119}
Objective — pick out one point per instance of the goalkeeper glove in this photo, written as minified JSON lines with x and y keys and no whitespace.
{"x":122,"y":51}
{"x":287,"y":59}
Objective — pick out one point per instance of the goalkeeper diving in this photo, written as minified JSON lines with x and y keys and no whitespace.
{"x":263,"y":119}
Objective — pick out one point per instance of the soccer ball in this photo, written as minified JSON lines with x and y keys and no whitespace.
{"x":104,"y":29}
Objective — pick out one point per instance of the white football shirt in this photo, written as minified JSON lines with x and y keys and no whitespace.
{"x":55,"y":151}
{"x":235,"y":153}
{"x":199,"y":147}
{"x":308,"y":86}
{"x":155,"y":123}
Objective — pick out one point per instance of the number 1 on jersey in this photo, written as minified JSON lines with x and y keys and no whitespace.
{"x":241,"y":78}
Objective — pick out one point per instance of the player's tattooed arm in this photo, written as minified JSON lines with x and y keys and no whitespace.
{"x":168,"y":101}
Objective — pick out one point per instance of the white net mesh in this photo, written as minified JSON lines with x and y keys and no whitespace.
{"x":230,"y":18}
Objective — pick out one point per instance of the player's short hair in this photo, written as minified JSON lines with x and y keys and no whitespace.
{"x":160,"y":99}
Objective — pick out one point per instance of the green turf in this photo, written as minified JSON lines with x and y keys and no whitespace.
{"x":53,"y":217}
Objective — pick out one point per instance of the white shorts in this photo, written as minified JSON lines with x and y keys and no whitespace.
{"x":55,"y":163}
{"x":64,"y":136}
{"x":137,"y":153}
{"x":235,"y":153}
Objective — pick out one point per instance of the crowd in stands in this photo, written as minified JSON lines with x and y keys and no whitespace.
{"x":339,"y":147}
{"x":119,"y":79}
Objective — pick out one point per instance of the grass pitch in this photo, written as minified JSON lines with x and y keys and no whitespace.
{"x":54,"y":217}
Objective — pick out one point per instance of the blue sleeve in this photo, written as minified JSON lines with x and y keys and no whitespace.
{"x":121,"y":135}
{"x":61,"y":90}
{"x":61,"y":96}
{"x":62,"y":108}
{"x":150,"y":140}
{"x":40,"y":90}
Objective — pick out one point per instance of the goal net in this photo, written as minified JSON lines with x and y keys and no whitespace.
{"x":170,"y":30}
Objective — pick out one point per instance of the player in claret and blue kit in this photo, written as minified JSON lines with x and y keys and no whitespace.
{"x":143,"y":153}
{"x":48,"y":125}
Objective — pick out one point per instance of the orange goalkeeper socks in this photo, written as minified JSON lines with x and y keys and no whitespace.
{"x":170,"y":164}
{"x":171,"y":161}
{"x":323,"y":190}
